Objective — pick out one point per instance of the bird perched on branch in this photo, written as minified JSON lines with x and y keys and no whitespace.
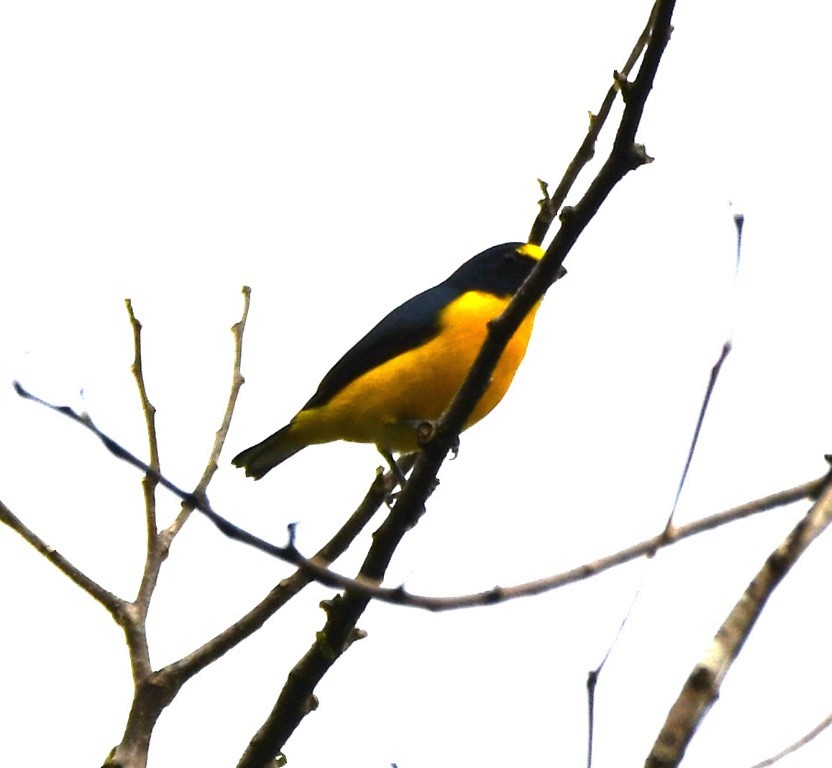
{"x":406,"y":371}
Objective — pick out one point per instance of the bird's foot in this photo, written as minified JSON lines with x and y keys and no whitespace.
{"x":425,"y":431}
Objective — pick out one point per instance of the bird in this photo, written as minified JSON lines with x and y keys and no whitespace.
{"x":404,"y":373}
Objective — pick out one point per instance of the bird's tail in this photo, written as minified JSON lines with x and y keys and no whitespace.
{"x":267,"y":454}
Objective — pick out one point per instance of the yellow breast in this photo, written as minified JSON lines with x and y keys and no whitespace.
{"x":383,"y":405}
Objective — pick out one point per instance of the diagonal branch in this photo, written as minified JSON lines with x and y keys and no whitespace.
{"x":633,"y":552}
{"x":219,"y":440}
{"x":702,"y":686}
{"x":550,"y":206}
{"x":180,"y":671}
{"x":624,"y":157}
{"x":114,"y":604}
{"x":799,"y":744}
{"x":297,"y":698}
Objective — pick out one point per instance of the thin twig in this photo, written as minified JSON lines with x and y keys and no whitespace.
{"x":550,"y":206}
{"x":700,"y":420}
{"x":739,"y":219}
{"x":594,"y":675}
{"x":238,"y":329}
{"x":135,"y":624}
{"x":801,"y":742}
{"x":702,"y":686}
{"x":148,"y":409}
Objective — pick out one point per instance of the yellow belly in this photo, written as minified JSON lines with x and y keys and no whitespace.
{"x":385,"y":404}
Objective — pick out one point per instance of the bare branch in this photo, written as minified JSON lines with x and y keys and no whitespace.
{"x":238,"y":329}
{"x":297,"y":696}
{"x":702,"y":687}
{"x":700,"y":421}
{"x":624,"y":157}
{"x":153,"y":691}
{"x":801,"y":742}
{"x":180,"y":671}
{"x":647,"y":547}
{"x":135,"y":630}
{"x":148,"y":483}
{"x":114,"y":604}
{"x":550,"y":206}
{"x":709,"y":390}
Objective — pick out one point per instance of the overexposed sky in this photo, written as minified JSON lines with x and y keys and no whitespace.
{"x":338,"y":158}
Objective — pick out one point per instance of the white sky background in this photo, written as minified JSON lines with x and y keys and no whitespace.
{"x":338,"y":158}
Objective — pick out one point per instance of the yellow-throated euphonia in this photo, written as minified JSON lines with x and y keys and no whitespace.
{"x":406,"y":371}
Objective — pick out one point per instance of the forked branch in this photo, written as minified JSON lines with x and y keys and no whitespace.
{"x":702,"y":687}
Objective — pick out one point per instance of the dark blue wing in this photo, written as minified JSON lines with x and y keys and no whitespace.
{"x":408,"y":326}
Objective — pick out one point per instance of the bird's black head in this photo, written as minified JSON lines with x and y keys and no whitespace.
{"x":500,"y":270}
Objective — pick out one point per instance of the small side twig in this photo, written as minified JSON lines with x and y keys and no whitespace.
{"x":550,"y":205}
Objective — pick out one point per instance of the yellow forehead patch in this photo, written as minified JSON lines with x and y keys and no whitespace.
{"x":530,"y":249}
